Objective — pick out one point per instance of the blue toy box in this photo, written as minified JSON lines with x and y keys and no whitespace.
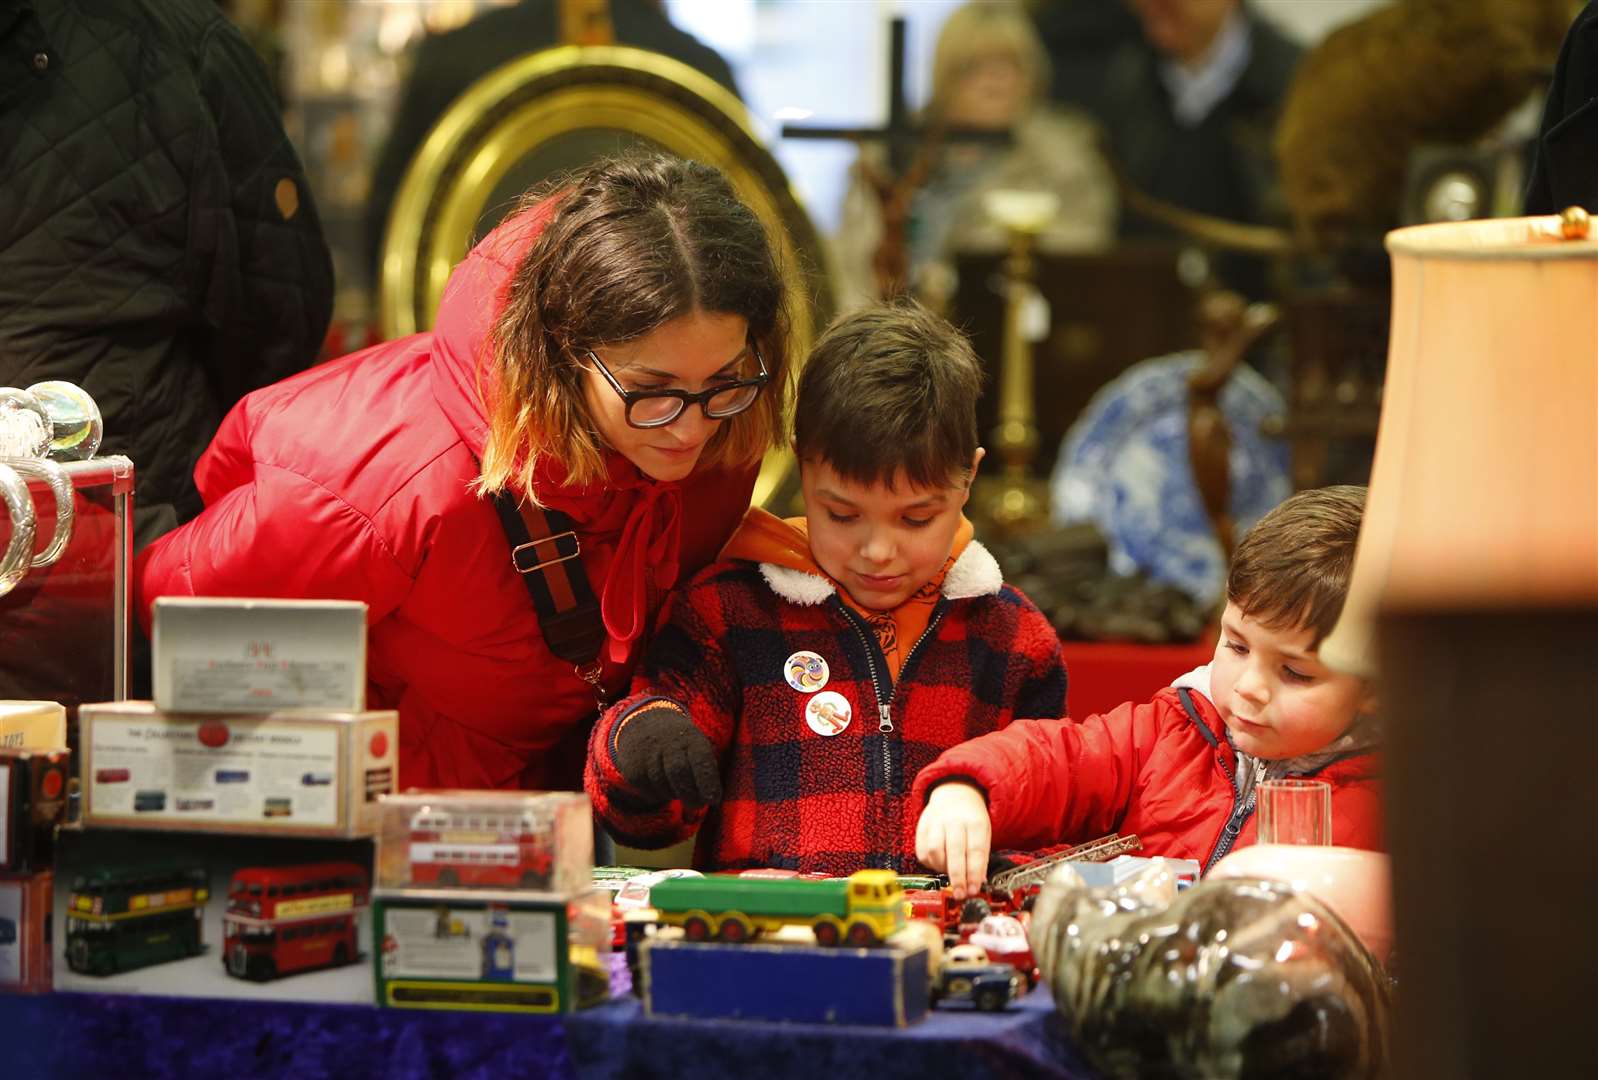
{"x":884,"y":987}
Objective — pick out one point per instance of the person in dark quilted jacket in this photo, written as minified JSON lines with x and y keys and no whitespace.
{"x":159,"y":245}
{"x":795,"y":688}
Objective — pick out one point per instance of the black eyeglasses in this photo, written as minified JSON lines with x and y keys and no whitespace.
{"x":657,"y":408}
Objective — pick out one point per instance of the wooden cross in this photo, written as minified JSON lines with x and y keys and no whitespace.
{"x":912,"y":150}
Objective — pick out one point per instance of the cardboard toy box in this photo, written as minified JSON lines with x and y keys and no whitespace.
{"x":541,"y":841}
{"x":33,"y":725}
{"x":225,"y":654}
{"x":33,"y":796}
{"x":296,"y":773}
{"x":203,"y":915}
{"x":485,"y":950}
{"x":24,"y":933}
{"x":885,"y":987}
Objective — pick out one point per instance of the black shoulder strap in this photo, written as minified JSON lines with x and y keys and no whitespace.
{"x":1198,"y":721}
{"x":544,"y":550}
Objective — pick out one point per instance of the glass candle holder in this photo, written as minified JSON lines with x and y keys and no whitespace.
{"x":1295,"y":812}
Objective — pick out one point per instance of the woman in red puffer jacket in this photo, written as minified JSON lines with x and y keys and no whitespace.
{"x":616,"y":350}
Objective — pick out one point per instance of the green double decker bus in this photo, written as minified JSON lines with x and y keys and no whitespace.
{"x":118,"y":920}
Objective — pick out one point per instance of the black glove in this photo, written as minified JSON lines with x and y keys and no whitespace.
{"x":663,"y":757}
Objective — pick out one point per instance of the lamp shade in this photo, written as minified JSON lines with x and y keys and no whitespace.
{"x":1484,"y":489}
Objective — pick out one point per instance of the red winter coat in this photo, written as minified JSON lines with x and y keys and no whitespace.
{"x":1155,"y":770}
{"x":350,"y":481}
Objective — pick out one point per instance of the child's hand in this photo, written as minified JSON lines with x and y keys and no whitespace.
{"x":954,"y":834}
{"x":663,"y":756}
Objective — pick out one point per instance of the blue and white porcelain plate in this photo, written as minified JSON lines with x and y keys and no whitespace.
{"x":1124,"y":467}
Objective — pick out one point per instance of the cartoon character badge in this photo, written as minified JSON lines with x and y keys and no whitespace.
{"x":828,"y":713}
{"x":806,"y":672}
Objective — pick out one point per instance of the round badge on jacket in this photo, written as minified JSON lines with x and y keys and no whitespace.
{"x":828,"y":713}
{"x":806,"y":671}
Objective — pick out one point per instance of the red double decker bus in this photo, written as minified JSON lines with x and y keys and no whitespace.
{"x":503,"y":849}
{"x":284,"y":919}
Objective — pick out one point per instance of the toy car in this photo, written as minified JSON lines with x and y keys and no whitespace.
{"x":966,"y":975}
{"x":634,"y":892}
{"x":1004,"y":939}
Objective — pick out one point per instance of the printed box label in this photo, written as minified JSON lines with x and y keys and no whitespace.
{"x":232,"y":771}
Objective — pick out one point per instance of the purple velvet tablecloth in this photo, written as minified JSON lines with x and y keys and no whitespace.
{"x":83,"y":1036}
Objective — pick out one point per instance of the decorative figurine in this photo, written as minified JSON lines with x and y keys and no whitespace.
{"x":25,"y":427}
{"x":1230,"y":978}
{"x":75,"y":425}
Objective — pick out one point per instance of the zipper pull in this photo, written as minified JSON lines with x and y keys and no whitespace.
{"x":884,"y":718}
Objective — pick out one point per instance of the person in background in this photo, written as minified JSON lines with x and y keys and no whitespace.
{"x":616,"y":350}
{"x":989,"y":72}
{"x":1181,"y":772}
{"x":1081,"y":38}
{"x":446,"y":64}
{"x":1190,"y":112}
{"x":795,"y":688}
{"x":159,"y":245}
{"x":1564,"y":170}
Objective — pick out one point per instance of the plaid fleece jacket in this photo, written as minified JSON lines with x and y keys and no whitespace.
{"x":795,"y":798}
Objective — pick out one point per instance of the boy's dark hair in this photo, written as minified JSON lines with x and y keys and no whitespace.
{"x":888,"y":387}
{"x":1292,"y":568}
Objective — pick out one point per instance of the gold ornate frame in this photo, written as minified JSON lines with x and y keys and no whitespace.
{"x":530,"y":101}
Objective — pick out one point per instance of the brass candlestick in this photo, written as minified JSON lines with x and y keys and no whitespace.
{"x":1018,"y":503}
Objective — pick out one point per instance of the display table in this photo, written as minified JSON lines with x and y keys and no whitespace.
{"x":1102,"y":675}
{"x":86,"y":1035}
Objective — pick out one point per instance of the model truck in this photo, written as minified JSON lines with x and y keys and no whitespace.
{"x":861,"y":909}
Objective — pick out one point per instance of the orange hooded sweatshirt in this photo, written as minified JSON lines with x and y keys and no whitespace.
{"x":763,"y":537}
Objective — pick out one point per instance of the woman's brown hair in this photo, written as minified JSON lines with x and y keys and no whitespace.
{"x":633,"y":243}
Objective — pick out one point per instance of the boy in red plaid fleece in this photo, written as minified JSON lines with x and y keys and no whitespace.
{"x":795,"y":688}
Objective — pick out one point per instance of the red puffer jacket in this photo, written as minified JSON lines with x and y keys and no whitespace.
{"x":350,"y":481}
{"x":1156,"y":770}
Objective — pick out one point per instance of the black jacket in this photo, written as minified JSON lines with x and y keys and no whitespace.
{"x":1564,"y":169}
{"x":1225,"y":166}
{"x":445,"y":65}
{"x":158,"y":242}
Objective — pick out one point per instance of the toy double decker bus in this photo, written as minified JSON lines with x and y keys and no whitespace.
{"x":118,"y":920}
{"x":480,"y":847}
{"x":285,"y":919}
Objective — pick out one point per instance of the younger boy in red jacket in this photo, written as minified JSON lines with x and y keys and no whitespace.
{"x":1181,"y":771}
{"x":795,"y":689}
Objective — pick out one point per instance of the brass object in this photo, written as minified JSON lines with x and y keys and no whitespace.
{"x":586,"y":22}
{"x":1018,"y":505}
{"x":1574,"y":223}
{"x":555,"y":110}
